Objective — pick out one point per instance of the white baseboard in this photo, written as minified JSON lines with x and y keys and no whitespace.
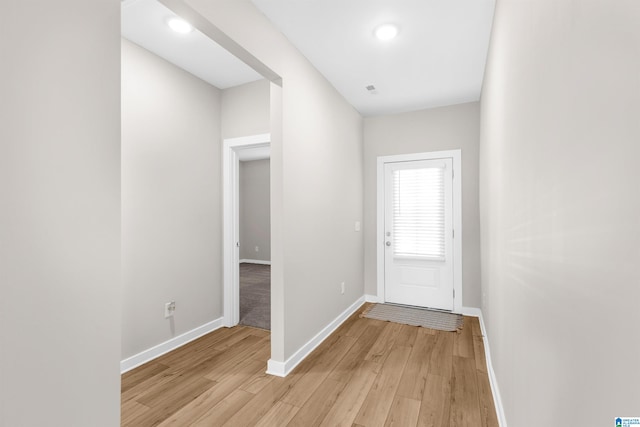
{"x":282,"y":369}
{"x":371,"y":298}
{"x":472,"y":311}
{"x":279,"y":369}
{"x":165,"y":347}
{"x":255,"y":261}
{"x":476,"y":312}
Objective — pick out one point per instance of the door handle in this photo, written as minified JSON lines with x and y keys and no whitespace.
{"x":388,"y":243}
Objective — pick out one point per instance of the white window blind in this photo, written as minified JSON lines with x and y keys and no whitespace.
{"x":418,"y":212}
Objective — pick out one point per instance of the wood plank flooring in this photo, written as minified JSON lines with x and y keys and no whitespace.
{"x":367,"y":373}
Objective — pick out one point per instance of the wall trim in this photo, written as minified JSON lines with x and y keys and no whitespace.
{"x":169,"y":345}
{"x":372,"y":298}
{"x":282,"y":369}
{"x":476,"y":312}
{"x":255,"y":261}
{"x":473,"y":312}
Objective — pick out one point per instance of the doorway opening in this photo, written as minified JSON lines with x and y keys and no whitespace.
{"x":238,"y":155}
{"x":255,"y":239}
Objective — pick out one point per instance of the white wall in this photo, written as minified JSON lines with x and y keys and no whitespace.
{"x":60,"y":215}
{"x":255,"y":212}
{"x":318,"y":190}
{"x":171,"y":200}
{"x":560,"y":210}
{"x":446,"y":128}
{"x":277,"y":222}
{"x":245,"y":110}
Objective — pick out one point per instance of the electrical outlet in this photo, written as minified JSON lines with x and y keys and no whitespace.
{"x":169,"y":309}
{"x":257,"y":249}
{"x":342,"y":287}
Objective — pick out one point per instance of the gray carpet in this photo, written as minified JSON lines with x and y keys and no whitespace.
{"x":255,"y":295}
{"x":414,"y":316}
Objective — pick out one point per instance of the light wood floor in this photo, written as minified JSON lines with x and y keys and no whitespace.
{"x":367,"y":373}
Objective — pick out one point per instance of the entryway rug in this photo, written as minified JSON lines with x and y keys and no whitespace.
{"x":414,"y":316}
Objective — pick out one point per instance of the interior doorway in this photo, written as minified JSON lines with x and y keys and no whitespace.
{"x":249,"y":148}
{"x":255,"y":239}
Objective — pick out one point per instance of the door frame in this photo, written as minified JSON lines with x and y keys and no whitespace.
{"x":231,"y":221}
{"x":456,"y":155}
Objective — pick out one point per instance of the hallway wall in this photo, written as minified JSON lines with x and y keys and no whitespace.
{"x":435,"y":129}
{"x":245,"y":110}
{"x":171,"y":200}
{"x":560,"y":210}
{"x":60,"y":214}
{"x":255,"y":210}
{"x":316,"y":183}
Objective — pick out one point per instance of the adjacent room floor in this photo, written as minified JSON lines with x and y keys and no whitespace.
{"x":367,"y":373}
{"x":255,"y":295}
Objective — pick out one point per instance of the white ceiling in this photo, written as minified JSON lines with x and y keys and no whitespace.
{"x":437,"y":59}
{"x":144,"y":23}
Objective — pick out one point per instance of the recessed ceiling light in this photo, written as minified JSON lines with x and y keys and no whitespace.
{"x":386,"y":31}
{"x":179,"y":25}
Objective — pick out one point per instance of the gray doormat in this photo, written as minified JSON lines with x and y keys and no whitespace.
{"x":431,"y":319}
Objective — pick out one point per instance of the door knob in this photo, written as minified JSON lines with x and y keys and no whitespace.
{"x":388,"y":243}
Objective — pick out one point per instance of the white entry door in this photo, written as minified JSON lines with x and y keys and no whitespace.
{"x":418,"y":233}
